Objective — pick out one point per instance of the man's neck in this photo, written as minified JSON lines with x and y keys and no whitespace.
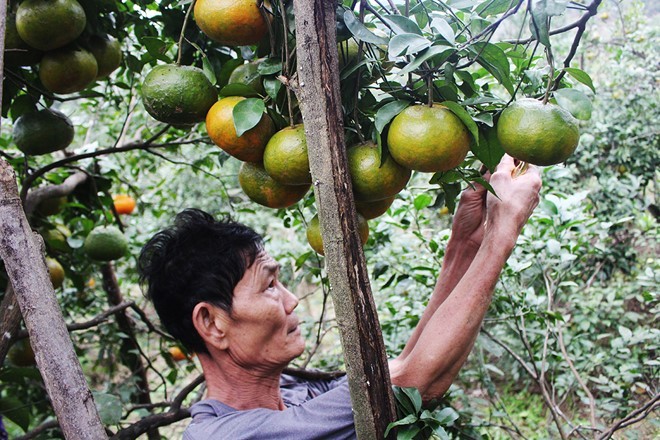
{"x":241,"y":388}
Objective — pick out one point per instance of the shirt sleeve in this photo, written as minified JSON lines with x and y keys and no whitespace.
{"x":329,"y":415}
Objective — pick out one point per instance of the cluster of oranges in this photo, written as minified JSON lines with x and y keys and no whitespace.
{"x":50,"y":34}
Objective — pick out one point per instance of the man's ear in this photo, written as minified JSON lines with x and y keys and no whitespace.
{"x":211,"y":323}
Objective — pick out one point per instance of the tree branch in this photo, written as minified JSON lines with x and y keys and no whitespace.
{"x":634,"y":417}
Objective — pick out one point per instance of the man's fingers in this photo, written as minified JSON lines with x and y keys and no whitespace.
{"x":506,"y":164}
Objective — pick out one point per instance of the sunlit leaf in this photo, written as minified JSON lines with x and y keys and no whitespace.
{"x":360,"y":31}
{"x":576,"y":102}
{"x":247,"y":114}
{"x":407,"y":44}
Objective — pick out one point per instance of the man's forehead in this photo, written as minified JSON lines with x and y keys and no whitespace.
{"x":265,"y":262}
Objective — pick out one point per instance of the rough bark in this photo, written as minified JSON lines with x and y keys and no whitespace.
{"x":319,"y":96}
{"x":129,"y":352}
{"x":9,"y":310}
{"x":62,"y":374}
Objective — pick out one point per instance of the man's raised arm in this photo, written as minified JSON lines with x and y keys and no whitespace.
{"x":446,"y":333}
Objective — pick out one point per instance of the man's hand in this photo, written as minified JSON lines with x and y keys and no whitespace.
{"x":468,"y":223}
{"x":515,"y":199}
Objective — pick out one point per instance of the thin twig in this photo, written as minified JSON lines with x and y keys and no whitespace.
{"x":183,"y":31}
{"x":634,"y":417}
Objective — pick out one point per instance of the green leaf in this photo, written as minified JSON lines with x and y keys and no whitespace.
{"x":465,"y":117}
{"x":408,"y":420}
{"x":494,"y":7}
{"x":408,"y":433}
{"x":446,"y":415}
{"x":272,"y":86}
{"x":16,"y":411}
{"x":444,"y":29}
{"x":407,"y":44}
{"x":430,"y":53}
{"x":576,"y":102}
{"x":495,"y":61}
{"x":402,"y":25}
{"x":157,"y":48}
{"x":109,"y":407}
{"x":581,"y":76}
{"x":269,"y":66}
{"x":422,"y":201}
{"x":207,"y":68}
{"x":488,"y":150}
{"x":360,"y":31}
{"x":415,"y":397}
{"x":542,"y":10}
{"x":247,"y":114}
{"x":387,"y":112}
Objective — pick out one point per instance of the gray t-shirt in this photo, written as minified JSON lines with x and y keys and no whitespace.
{"x":316,"y":409}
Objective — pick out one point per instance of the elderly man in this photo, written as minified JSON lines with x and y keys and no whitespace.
{"x":217,"y":290}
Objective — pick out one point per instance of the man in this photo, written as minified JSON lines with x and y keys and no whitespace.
{"x":217,"y":290}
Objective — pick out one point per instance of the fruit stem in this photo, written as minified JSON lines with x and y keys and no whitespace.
{"x":551,"y":63}
{"x":285,"y":62}
{"x":520,"y":169}
{"x":183,"y":31}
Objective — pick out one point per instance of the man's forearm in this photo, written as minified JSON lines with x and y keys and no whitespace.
{"x":447,"y":337}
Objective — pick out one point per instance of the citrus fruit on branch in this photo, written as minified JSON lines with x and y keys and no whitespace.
{"x":231,"y":22}
{"x":266,"y":191}
{"x":55,"y":271}
{"x":107,"y":53}
{"x":17,"y":51}
{"x":179,"y":95}
{"x":42,"y":132}
{"x":541,"y":134}
{"x":67,"y":70}
{"x":375,"y":208}
{"x":373,"y":180}
{"x":49,"y":24}
{"x":314,"y":233}
{"x":428,"y":139}
{"x":105,"y":243}
{"x":123,"y":203}
{"x":249,"y":147}
{"x":248,"y":74}
{"x":285,"y":156}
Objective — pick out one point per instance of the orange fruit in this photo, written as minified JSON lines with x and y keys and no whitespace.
{"x":428,"y":139}
{"x":536,"y":133}
{"x":17,"y":51}
{"x":285,"y":156}
{"x":179,"y":95}
{"x":107,"y":52}
{"x":49,"y":24}
{"x":56,"y":272}
{"x":266,"y":191}
{"x":231,"y":22}
{"x":124,"y":204}
{"x":177,"y":354}
{"x":314,"y":233}
{"x":373,"y":180}
{"x":42,"y":132}
{"x":374,"y":209}
{"x":105,"y":243}
{"x":249,"y":147}
{"x":67,"y":70}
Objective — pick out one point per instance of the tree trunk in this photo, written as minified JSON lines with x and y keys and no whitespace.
{"x":23,"y":257}
{"x":320,"y":102}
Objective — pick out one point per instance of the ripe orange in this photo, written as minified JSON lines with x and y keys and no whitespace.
{"x":314,"y":233}
{"x":67,"y":70}
{"x":428,"y":139}
{"x":536,"y":133}
{"x":263,"y":189}
{"x":124,"y":204}
{"x":371,"y":179}
{"x":249,"y":147}
{"x":285,"y":156}
{"x":231,"y":22}
{"x":49,"y":24}
{"x":177,"y":354}
{"x":56,"y":272}
{"x":375,"y":208}
{"x":107,"y":52}
{"x":179,"y":95}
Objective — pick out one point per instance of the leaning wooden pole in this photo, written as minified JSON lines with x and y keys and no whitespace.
{"x":320,"y":101}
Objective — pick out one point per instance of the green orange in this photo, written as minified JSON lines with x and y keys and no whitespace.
{"x":266,"y":191}
{"x":107,"y":52}
{"x":179,"y":95}
{"x":56,"y":272}
{"x":248,"y":74}
{"x":42,"y":132}
{"x":375,"y":176}
{"x":67,"y":70}
{"x":285,"y":156}
{"x":314,"y":233}
{"x":231,"y":22}
{"x":428,"y":139}
{"x":17,"y":51}
{"x":250,"y":146}
{"x":541,"y":134}
{"x":105,"y":243}
{"x":374,"y":208}
{"x":49,"y":24}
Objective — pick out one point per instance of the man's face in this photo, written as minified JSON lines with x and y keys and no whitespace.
{"x":263,"y":329}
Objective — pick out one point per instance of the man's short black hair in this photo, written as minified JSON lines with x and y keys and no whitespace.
{"x":198,"y":259}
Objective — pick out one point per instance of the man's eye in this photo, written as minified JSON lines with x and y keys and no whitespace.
{"x":272,"y":284}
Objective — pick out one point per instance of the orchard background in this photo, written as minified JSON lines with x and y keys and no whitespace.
{"x":569,"y":348}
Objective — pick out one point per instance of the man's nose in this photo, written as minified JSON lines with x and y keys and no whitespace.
{"x":290,"y":301}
